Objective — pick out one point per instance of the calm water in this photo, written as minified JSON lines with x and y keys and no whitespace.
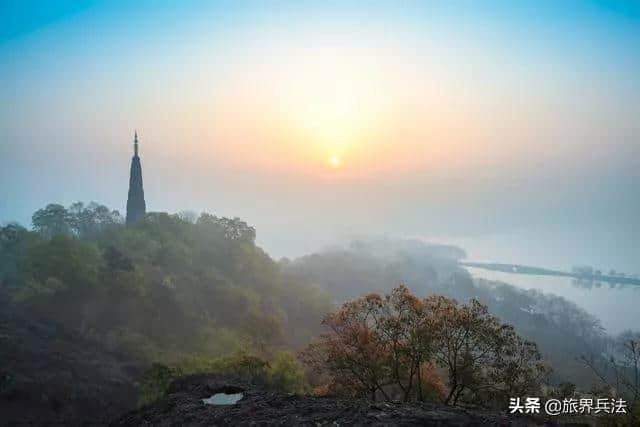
{"x":223,"y":399}
{"x":616,"y":307}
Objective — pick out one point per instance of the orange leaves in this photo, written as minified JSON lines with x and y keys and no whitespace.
{"x":433,"y":385}
{"x":376,"y":343}
{"x":321,"y":391}
{"x":389,"y":346}
{"x":373,"y":298}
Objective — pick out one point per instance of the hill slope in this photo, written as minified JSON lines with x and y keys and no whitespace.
{"x":51,"y":376}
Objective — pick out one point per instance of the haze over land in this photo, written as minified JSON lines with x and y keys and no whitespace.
{"x":508,"y":128}
{"x":315,"y":174}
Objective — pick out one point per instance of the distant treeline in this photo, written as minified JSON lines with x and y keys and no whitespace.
{"x":580,"y":273}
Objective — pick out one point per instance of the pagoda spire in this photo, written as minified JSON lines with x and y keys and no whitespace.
{"x":136,"y":207}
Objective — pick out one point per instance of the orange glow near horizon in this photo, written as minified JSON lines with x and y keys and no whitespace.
{"x":352,"y":113}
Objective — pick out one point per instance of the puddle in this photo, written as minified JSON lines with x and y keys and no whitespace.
{"x":223,"y":399}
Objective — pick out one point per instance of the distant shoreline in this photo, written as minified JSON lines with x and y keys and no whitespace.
{"x":539,"y":271}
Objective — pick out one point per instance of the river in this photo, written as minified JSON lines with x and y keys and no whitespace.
{"x":618,"y":307}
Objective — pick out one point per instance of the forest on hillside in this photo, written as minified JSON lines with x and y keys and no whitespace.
{"x":173,"y":285}
{"x":185,"y":293}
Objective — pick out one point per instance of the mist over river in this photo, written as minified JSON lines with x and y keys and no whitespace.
{"x":615,"y":305}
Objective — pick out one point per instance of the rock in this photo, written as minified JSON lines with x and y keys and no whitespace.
{"x":183,"y":406}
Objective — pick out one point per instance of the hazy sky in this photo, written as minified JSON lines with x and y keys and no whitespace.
{"x":510,"y":127}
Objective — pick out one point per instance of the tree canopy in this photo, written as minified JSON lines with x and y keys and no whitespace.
{"x":172,"y":284}
{"x":383,"y":345}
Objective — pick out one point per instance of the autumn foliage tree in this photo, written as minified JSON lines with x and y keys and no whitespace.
{"x":375,"y":345}
{"x":351,"y":352}
{"x":392,"y":345}
{"x":485,"y":359}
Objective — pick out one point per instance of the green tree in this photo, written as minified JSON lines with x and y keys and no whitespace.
{"x":88,"y":221}
{"x":52,"y":220}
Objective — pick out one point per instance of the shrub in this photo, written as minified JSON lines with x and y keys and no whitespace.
{"x":286,"y":374}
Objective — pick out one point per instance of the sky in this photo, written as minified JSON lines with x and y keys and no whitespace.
{"x":510,"y":128}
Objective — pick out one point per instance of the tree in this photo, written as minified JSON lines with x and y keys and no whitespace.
{"x":69,"y":260}
{"x":621,"y":371}
{"x":380,"y":345}
{"x":352,"y":352}
{"x":231,"y":229}
{"x":263,"y":330}
{"x":88,"y":221}
{"x":376,"y":344}
{"x":484,"y":358}
{"x":13,"y":239}
{"x":166,"y":287}
{"x":188,"y":216}
{"x":52,"y":220}
{"x":115,"y":260}
{"x":408,"y":327}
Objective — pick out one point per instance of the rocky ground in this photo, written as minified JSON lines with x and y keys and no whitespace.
{"x":52,"y":376}
{"x":183,"y":406}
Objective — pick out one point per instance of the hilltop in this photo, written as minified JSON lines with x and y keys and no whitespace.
{"x":183,"y":405}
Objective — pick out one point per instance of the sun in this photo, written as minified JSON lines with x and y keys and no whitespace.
{"x":331,"y":102}
{"x":334,"y":161}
